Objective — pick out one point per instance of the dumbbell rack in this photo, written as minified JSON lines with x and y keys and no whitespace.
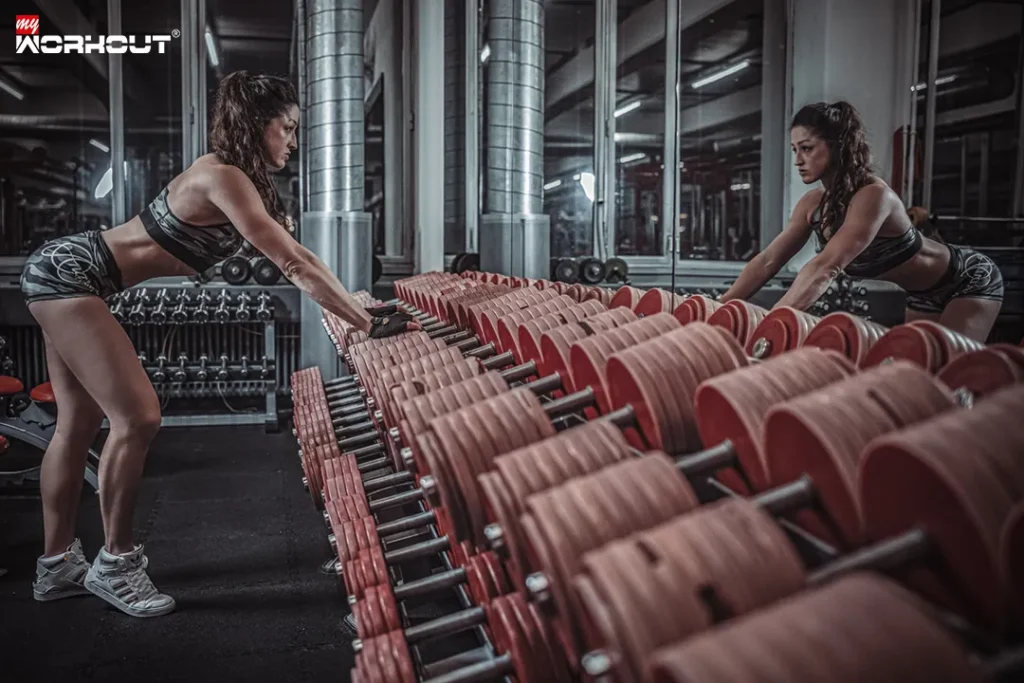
{"x":815,"y":553}
{"x":216,"y":375}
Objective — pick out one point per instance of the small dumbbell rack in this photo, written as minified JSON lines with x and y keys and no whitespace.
{"x":204,"y":348}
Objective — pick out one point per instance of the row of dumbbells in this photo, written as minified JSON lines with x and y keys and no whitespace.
{"x":139,"y":307}
{"x":164,"y":370}
{"x":331,"y":421}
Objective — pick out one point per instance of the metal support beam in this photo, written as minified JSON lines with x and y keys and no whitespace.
{"x":774,"y":94}
{"x":604,"y":127}
{"x":910,"y":145}
{"x":429,"y":145}
{"x":192,"y":46}
{"x":117,"y":196}
{"x":1018,"y":173}
{"x":471,"y":129}
{"x":933,"y":74}
{"x":671,"y":176}
{"x":300,"y":68}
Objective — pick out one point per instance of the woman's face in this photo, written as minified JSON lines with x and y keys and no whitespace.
{"x":279,"y":138}
{"x":811,"y":154}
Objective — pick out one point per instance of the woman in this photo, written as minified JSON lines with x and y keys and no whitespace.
{"x":202,"y":217}
{"x":863,"y":229}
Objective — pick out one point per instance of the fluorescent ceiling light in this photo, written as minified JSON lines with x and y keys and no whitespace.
{"x":106,"y":183}
{"x":485,"y":54}
{"x":552,"y":185}
{"x":11,"y":90}
{"x":740,"y":186}
{"x":211,"y":49}
{"x":938,"y":81}
{"x":99,"y":145}
{"x":635,"y":104}
{"x":632,"y":157}
{"x":725,"y":73}
{"x":587,"y":183}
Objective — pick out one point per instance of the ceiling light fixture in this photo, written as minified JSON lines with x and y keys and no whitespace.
{"x":725,"y":73}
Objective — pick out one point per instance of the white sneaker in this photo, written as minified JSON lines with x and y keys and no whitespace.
{"x":122,"y":581}
{"x":61,"y":576}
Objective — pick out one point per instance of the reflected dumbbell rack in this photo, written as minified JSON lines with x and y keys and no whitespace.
{"x":209,"y":352}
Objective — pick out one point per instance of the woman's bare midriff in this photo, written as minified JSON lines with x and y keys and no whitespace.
{"x":138,"y":256}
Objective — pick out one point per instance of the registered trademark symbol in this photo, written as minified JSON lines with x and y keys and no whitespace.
{"x":175,"y":33}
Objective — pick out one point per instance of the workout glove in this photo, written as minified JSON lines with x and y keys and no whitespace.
{"x":386,"y":326}
{"x":382,"y":310}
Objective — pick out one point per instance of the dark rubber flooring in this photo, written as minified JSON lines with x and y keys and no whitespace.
{"x":230,"y":534}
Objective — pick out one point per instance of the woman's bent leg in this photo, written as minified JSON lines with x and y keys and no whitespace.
{"x":97,"y":351}
{"x":971,"y":317}
{"x":63,"y":470}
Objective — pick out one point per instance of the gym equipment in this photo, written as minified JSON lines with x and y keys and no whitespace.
{"x":671,"y":392}
{"x":236,"y":270}
{"x":565,"y":270}
{"x":265,"y":271}
{"x":592,"y":271}
{"x":616,"y":271}
{"x":31,"y":417}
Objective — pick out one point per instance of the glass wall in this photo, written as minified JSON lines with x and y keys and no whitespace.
{"x":639,"y":138}
{"x":152,"y":104}
{"x":569,"y":59}
{"x":978,"y":116}
{"x":721,"y":76}
{"x":54,"y":141}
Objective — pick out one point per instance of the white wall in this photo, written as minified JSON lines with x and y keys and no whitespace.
{"x":858,"y":52}
{"x":382,"y":50}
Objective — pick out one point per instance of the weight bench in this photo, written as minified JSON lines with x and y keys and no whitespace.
{"x":32,"y":418}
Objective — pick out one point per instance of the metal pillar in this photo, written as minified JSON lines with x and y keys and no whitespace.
{"x":605,"y":166}
{"x":774,"y":127}
{"x":670,"y":180}
{"x":429,"y":113}
{"x":117,"y":196}
{"x":193,"y":52}
{"x":515,"y":233}
{"x":300,"y":53}
{"x":334,"y":225}
{"x":1018,"y":173}
{"x":471,"y":127}
{"x":933,"y":74}
{"x":910,"y":146}
{"x":454,"y":133}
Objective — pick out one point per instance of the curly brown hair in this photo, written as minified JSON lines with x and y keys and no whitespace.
{"x":840,"y":126}
{"x":245,"y":104}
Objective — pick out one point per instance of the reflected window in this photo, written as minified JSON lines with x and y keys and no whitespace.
{"x":977,"y":122}
{"x":720,"y":131}
{"x":569,"y":126}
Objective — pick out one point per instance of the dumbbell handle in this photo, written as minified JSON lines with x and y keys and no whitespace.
{"x":481,"y":672}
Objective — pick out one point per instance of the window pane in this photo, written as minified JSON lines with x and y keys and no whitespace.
{"x":639,"y":129}
{"x":977,"y":120}
{"x":720,"y":77}
{"x":152,"y":103}
{"x":54,"y":140}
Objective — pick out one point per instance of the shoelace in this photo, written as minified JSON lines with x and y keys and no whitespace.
{"x":139,"y":581}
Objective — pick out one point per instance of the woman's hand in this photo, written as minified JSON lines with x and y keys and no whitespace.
{"x":390,"y":325}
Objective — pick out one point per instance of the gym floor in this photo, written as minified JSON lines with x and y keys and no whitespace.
{"x":230,"y":534}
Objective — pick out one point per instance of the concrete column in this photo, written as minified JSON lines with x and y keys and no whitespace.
{"x":429,"y":140}
{"x":850,"y":51}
